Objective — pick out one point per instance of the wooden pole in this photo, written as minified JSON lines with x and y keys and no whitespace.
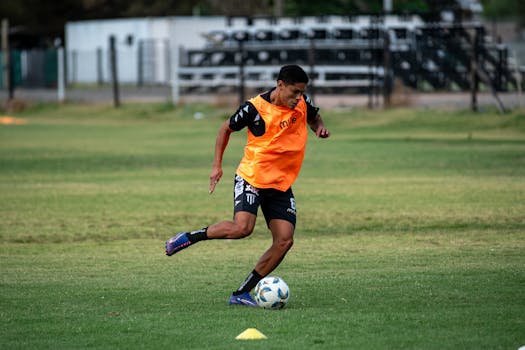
{"x":473,"y":73}
{"x":100,"y":77}
{"x":387,"y":65}
{"x":6,"y":61}
{"x":241,"y":72}
{"x":311,"y":61}
{"x":140,"y":64}
{"x":61,"y":78}
{"x":114,"y":69}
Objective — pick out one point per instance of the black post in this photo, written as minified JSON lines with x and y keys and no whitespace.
{"x":100,"y":79}
{"x":473,"y":73}
{"x":372,"y":68}
{"x":11,"y":68}
{"x":499,"y":66}
{"x":140,"y":64}
{"x":387,"y":77}
{"x":241,"y":71}
{"x":311,"y":61}
{"x":7,"y":64}
{"x":113,"y":63}
{"x":74,"y":66}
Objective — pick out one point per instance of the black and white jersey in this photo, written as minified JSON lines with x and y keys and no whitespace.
{"x":248,"y":116}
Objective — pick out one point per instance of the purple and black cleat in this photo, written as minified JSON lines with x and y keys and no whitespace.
{"x":244,"y":299}
{"x":177,"y":243}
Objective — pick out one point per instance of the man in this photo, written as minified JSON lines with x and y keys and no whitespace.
{"x":277,"y":132}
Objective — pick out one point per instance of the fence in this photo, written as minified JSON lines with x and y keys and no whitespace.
{"x":339,"y":60}
{"x":32,"y":68}
{"x":424,"y":57}
{"x":38,"y":68}
{"x":148,"y":64}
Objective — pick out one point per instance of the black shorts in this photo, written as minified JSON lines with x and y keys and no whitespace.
{"x":275,"y":204}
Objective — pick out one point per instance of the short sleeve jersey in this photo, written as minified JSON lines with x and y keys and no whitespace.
{"x":246,"y":115}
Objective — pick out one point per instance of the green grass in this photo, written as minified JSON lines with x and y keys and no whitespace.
{"x":410,"y":233}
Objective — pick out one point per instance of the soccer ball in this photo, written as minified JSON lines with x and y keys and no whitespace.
{"x":271,"y":293}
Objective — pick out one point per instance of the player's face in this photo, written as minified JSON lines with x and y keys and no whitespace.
{"x":290,"y":94}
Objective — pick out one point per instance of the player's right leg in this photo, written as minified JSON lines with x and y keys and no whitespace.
{"x":246,"y":205}
{"x":242,"y":226}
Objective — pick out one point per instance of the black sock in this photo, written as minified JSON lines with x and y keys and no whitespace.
{"x":198,"y":235}
{"x":248,"y":284}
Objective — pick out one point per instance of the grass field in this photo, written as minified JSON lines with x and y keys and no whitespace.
{"x":411,"y":233}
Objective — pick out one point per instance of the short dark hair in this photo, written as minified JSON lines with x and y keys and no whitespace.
{"x":292,"y":74}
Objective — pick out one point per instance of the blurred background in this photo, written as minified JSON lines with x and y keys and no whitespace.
{"x":384,"y":52}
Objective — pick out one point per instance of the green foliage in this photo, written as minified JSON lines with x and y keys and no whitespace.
{"x":417,"y":6}
{"x":410,"y":232}
{"x":349,"y":7}
{"x":341,"y":7}
{"x":28,"y":13}
{"x":499,"y":9}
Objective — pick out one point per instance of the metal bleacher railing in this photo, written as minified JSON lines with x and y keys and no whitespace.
{"x":359,"y":55}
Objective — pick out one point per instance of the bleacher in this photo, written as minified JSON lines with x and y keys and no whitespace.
{"x":345,"y":54}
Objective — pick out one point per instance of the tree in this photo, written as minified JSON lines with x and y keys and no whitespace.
{"x":44,"y":20}
{"x":505,"y":9}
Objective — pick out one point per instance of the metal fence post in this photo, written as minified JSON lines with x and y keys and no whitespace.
{"x":7,"y":68}
{"x":474,"y":82}
{"x":100,"y":78}
{"x":61,"y":90}
{"x":311,"y":61}
{"x":114,"y":68}
{"x":241,"y":70}
{"x":387,"y":77}
{"x":140,"y":63}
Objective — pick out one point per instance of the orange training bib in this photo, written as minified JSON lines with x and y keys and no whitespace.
{"x":274,"y":159}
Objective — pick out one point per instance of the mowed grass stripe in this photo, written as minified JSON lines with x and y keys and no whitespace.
{"x":409,"y":236}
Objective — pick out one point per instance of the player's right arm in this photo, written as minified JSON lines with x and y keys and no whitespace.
{"x":223,"y":137}
{"x":243,"y":117}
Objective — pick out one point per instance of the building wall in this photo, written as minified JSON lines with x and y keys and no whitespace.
{"x":87,"y":46}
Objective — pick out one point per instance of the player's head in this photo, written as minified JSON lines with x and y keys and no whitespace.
{"x":291,"y":85}
{"x":292,"y":74}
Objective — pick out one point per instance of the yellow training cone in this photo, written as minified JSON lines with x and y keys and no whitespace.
{"x":249,"y":334}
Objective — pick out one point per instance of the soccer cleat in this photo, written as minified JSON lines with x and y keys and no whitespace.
{"x":242,"y":299}
{"x":177,"y":243}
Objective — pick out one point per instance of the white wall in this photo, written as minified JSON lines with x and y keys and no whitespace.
{"x":83,"y":38}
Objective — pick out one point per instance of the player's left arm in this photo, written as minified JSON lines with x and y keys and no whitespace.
{"x":314,"y":119}
{"x":317,"y":126}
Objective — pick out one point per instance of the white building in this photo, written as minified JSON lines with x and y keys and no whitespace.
{"x":148,"y":39}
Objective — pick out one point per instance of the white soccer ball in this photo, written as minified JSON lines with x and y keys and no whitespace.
{"x":271,"y":293}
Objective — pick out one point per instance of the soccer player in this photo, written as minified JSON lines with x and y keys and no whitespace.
{"x":277,"y":132}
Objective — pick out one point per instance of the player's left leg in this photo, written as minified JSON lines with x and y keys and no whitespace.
{"x":282,"y":234}
{"x":280,"y":214}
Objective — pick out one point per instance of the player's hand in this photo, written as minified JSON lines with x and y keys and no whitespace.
{"x":215,"y":176}
{"x":322,"y":132}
